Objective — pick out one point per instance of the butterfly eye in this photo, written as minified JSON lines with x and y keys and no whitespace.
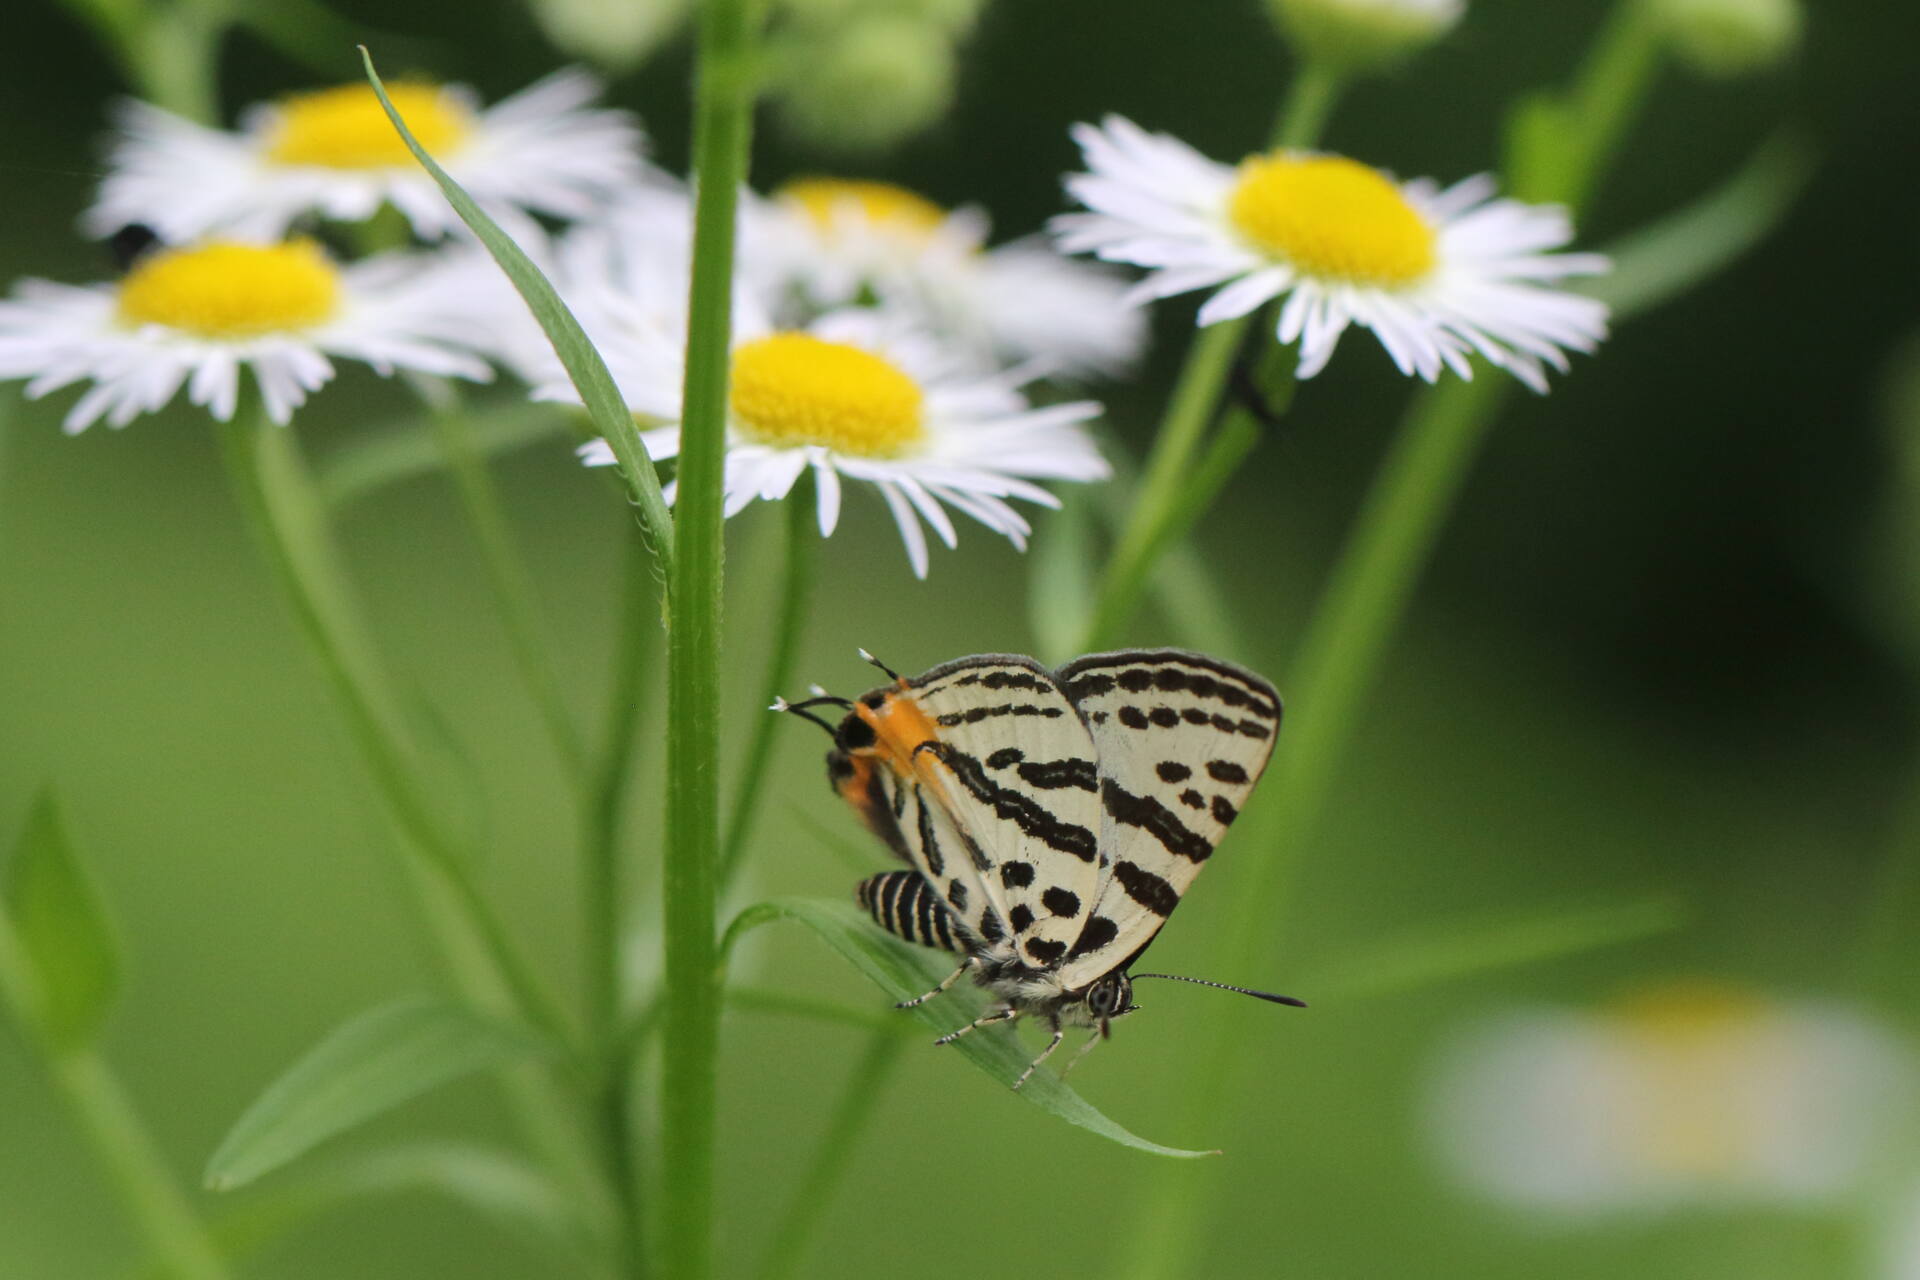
{"x":855,"y":734}
{"x":1108,"y":997}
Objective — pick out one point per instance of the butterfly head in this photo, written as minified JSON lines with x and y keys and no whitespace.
{"x":1110,"y":997}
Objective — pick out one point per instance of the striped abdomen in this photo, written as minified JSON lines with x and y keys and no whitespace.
{"x":902,"y":903}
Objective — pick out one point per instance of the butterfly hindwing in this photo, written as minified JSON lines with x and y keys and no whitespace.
{"x":1180,"y":741}
{"x":1014,"y":768}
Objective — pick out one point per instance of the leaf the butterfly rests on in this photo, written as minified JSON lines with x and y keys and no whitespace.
{"x":1054,"y":819}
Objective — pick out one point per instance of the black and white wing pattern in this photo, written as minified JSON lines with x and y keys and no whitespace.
{"x":1180,"y":739}
{"x":1011,"y":772}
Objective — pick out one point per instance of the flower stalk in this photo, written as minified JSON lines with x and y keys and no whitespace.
{"x":176,"y":1240}
{"x":275,"y":492}
{"x":1166,"y":499}
{"x":796,"y":595}
{"x":723,"y":104}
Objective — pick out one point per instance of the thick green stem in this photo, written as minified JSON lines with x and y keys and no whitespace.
{"x":723,"y":105}
{"x":175,"y":1238}
{"x":512,"y":585}
{"x":275,"y":492}
{"x":796,"y":592}
{"x":1165,"y":499}
{"x":813,"y":1194}
{"x":604,"y":889}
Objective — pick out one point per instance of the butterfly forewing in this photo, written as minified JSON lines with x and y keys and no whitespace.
{"x":1180,"y":740}
{"x":1014,"y":768}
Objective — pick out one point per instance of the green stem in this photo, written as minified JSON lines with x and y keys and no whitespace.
{"x":513,"y":590}
{"x":1309,"y":105}
{"x":1162,"y":486}
{"x":813,"y":1194}
{"x":1885,"y":956}
{"x":174,"y":1236}
{"x":723,"y":109}
{"x":1363,"y":601}
{"x":275,"y":492}
{"x":796,"y":591}
{"x":605,"y":888}
{"x":1560,"y":154}
{"x":1165,"y":484}
{"x":168,"y":53}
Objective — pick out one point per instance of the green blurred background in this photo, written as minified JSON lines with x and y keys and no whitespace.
{"x":1658,"y":653}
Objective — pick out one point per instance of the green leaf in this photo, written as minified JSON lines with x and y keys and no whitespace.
{"x":905,"y":971}
{"x":367,"y":1066}
{"x":62,"y":926}
{"x":500,"y":1189}
{"x":1688,"y":246}
{"x":605,"y":405}
{"x":1467,"y":949}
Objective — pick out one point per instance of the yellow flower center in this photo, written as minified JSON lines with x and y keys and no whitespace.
{"x":794,"y":389}
{"x":224,"y":290}
{"x":345,"y":128}
{"x":1332,"y":218}
{"x":884,"y":205}
{"x":1696,"y":1046}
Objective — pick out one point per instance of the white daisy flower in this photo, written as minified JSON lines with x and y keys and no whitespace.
{"x":1690,"y":1093}
{"x":1436,"y":274}
{"x":197,"y":316}
{"x":334,"y":153}
{"x":825,"y":243}
{"x":852,"y":396}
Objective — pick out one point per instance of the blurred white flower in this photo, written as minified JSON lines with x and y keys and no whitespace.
{"x":1685,"y":1094}
{"x":824,"y":243}
{"x":856,"y":395}
{"x":1900,"y":1258}
{"x":333,"y":152}
{"x":197,"y":316}
{"x":1438,"y":275}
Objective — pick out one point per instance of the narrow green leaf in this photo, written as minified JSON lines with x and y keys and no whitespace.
{"x":500,"y":1189}
{"x":367,"y":1066}
{"x":63,"y":927}
{"x":583,"y":363}
{"x":904,"y":971}
{"x":1467,"y":949}
{"x":1672,"y":255}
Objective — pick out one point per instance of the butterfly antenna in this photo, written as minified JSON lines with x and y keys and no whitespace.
{"x":1258,"y":995}
{"x":801,"y":709}
{"x":867,"y":657}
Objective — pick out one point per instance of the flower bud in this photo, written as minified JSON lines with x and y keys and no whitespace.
{"x":868,"y":86}
{"x":1725,"y":38}
{"x":1364,"y":35}
{"x":613,"y":34}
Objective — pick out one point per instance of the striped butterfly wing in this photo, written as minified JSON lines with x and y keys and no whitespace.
{"x":1012,"y":768}
{"x":1182,"y":739}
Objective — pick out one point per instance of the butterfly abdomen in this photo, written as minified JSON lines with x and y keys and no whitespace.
{"x":904,"y":904}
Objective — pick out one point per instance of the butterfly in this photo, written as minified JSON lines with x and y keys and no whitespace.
{"x":1051,"y":820}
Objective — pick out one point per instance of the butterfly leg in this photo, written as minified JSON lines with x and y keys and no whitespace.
{"x":1074,"y":1061}
{"x":997,"y":1015}
{"x":971,"y":964}
{"x":1058,"y":1036}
